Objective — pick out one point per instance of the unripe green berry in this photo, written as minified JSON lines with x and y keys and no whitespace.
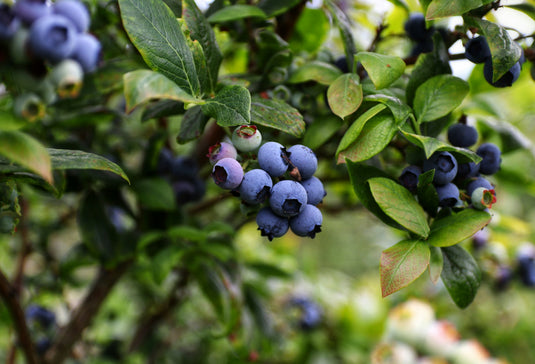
{"x":246,"y":138}
{"x":67,"y":76}
{"x":483,"y":198}
{"x":29,"y":106}
{"x":18,"y":50}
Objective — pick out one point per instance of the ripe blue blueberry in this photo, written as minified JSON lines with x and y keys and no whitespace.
{"x":506,"y":80}
{"x":227,"y":173}
{"x":42,"y":345}
{"x":315,"y":190}
{"x":9,"y":23}
{"x":255,"y":186}
{"x":75,"y":11}
{"x":220,"y":151}
{"x":526,"y":264}
{"x":311,"y":313}
{"x":246,"y":138}
{"x":270,"y":224}
{"x":416,"y":29}
{"x":466,"y":170}
{"x":424,"y":46}
{"x":478,"y":182}
{"x":445,"y":166}
{"x":409,"y":177}
{"x":341,"y":64}
{"x":52,"y":37}
{"x":448,"y":195}
{"x":304,"y":159}
{"x":165,"y":161}
{"x":288,"y":198}
{"x":30,"y":10}
{"x":184,"y":168}
{"x":41,"y":315}
{"x":462,"y":135}
{"x":188,"y":190}
{"x":491,"y":155}
{"x":307,"y":222}
{"x":477,"y":50}
{"x":273,"y":159}
{"x":87,"y":52}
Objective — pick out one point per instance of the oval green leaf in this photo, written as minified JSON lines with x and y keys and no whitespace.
{"x":277,"y":114}
{"x":236,"y":12}
{"x":321,"y":72}
{"x":461,"y":275}
{"x":345,"y":95}
{"x":382,"y":69}
{"x":454,"y":228}
{"x":231,"y":106}
{"x":354,"y":130}
{"x":398,"y":203}
{"x":402,"y":263}
{"x":399,"y":109}
{"x":443,"y":8}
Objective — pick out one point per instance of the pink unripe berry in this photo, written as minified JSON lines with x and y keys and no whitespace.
{"x":221,"y":150}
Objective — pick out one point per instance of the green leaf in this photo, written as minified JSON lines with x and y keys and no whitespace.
{"x":310,"y":32}
{"x":345,"y":95}
{"x":438,"y":96}
{"x":427,"y":193}
{"x":375,"y":135}
{"x":231,"y":106}
{"x":504,"y":50}
{"x":213,"y":288}
{"x":192,"y":125}
{"x":444,"y":8}
{"x":399,"y":109}
{"x":268,"y":270}
{"x":188,"y":233}
{"x":77,"y":159}
{"x":321,"y":72}
{"x":454,"y":228}
{"x":10,"y":121}
{"x":276,"y":7}
{"x":436,"y":263}
{"x":236,"y":12}
{"x":359,"y":174}
{"x":382,"y":69}
{"x":155,"y":194}
{"x":162,"y":109}
{"x":398,"y":203}
{"x":144,"y":85}
{"x":436,"y":62}
{"x":156,"y":33}
{"x":354,"y":130}
{"x":460,"y":275}
{"x":343,"y":22}
{"x":401,"y":264}
{"x":431,"y":145}
{"x":527,"y":9}
{"x":321,"y":130}
{"x":26,"y":151}
{"x":277,"y":114}
{"x":201,"y":31}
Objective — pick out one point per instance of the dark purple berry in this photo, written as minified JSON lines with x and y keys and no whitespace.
{"x":409,"y":177}
{"x":424,"y":46}
{"x":526,"y":264}
{"x":445,"y":166}
{"x":256,"y":186}
{"x":491,"y":155}
{"x":188,"y":190}
{"x":462,"y":135}
{"x":273,"y":159}
{"x":288,"y":198}
{"x":42,"y":345}
{"x":220,"y":151}
{"x":503,"y":277}
{"x":304,"y":159}
{"x":52,"y":37}
{"x":227,"y":173}
{"x":477,"y":50}
{"x":448,"y":195}
{"x":478,"y":182}
{"x":311,"y":313}
{"x":165,"y":161}
{"x":271,"y":224}
{"x":184,"y":168}
{"x":41,"y":315}
{"x":416,"y":29}
{"x":307,"y":222}
{"x":506,"y":80}
{"x":9,"y":23}
{"x":75,"y":11}
{"x":315,"y":190}
{"x":341,"y":64}
{"x":467,"y":170}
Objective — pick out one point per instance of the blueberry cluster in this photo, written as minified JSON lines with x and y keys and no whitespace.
{"x":454,"y":181}
{"x":41,"y":322}
{"x":290,"y":203}
{"x":477,"y":51}
{"x":48,"y":50}
{"x":183,"y":175}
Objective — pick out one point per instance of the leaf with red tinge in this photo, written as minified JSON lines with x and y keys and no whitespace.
{"x":402,"y":263}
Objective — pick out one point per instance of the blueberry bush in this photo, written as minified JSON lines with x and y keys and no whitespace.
{"x":162,"y":161}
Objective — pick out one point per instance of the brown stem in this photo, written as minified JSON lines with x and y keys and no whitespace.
{"x":152,"y":319}
{"x":25,"y":249}
{"x":287,"y":21}
{"x":8,"y":294}
{"x":84,"y":313}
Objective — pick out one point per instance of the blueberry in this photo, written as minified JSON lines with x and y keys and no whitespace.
{"x":184,"y":168}
{"x":526,"y":264}
{"x":189,"y":190}
{"x":9,"y":23}
{"x":256,"y":186}
{"x":42,"y":345}
{"x":227,"y":173}
{"x":409,"y":177}
{"x":467,"y":170}
{"x":165,"y":161}
{"x":491,"y":155}
{"x":448,"y":195}
{"x":445,"y":166}
{"x":477,"y":50}
{"x":41,"y":315}
{"x":273,"y":159}
{"x":424,"y":46}
{"x":87,"y":52}
{"x":304,"y":159}
{"x":341,"y":64}
{"x":307,"y":222}
{"x":288,"y":198}
{"x":270,"y":224}
{"x":52,"y":37}
{"x":503,"y":277}
{"x":415,"y":28}
{"x":315,"y":190}
{"x":506,"y":80}
{"x":30,"y":10}
{"x":311,"y":313}
{"x":246,"y":138}
{"x":478,"y":182}
{"x":480,"y":239}
{"x":462,"y":135}
{"x":75,"y":11}
{"x":220,"y":151}
{"x":482,"y":198}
